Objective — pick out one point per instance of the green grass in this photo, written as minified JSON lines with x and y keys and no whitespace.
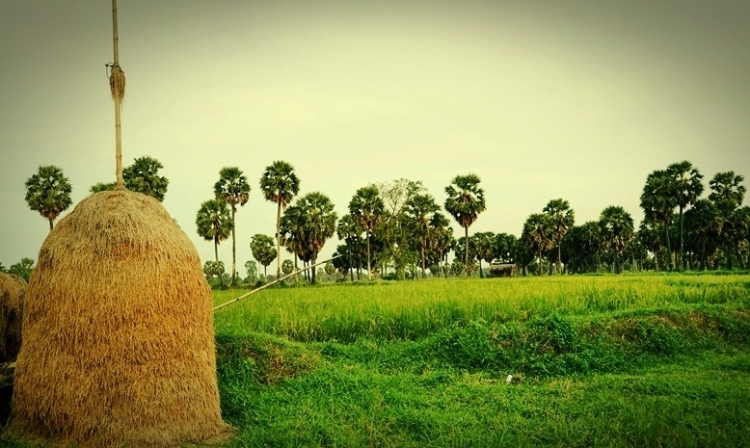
{"x":416,"y":309}
{"x":635,"y":360}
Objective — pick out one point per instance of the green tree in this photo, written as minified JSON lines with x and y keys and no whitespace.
{"x":442,"y":240}
{"x":617,"y":231}
{"x":214,"y":269}
{"x":464,"y":203}
{"x":292,"y":234}
{"x":538,"y":234}
{"x":318,"y":223}
{"x":287,"y":267}
{"x":727,"y":192}
{"x":48,"y":192}
{"x":367,"y":209}
{"x":143,"y":177}
{"x":687,"y":186}
{"x":251,"y":267}
{"x":214,"y":224}
{"x":329,"y":269}
{"x":650,"y":238}
{"x":232,"y":188}
{"x":419,"y":210}
{"x":658,"y":201}
{"x":101,"y":186}
{"x":2,"y":268}
{"x":23,"y":268}
{"x":562,"y":218}
{"x":280,"y":185}
{"x":263,"y":250}
{"x":503,"y":247}
{"x":484,"y":245}
{"x":349,"y":231}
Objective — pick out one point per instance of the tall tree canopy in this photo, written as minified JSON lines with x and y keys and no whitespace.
{"x":617,"y":231}
{"x":464,"y":203}
{"x":538,"y":234}
{"x":48,"y":192}
{"x":419,"y":210}
{"x":143,"y":177}
{"x":215,"y":224}
{"x":318,"y":222}
{"x":232,"y":188}
{"x":264,"y":250}
{"x":658,"y":201}
{"x":687,"y":187}
{"x":562,"y":219}
{"x":280,"y":185}
{"x":367,"y":209}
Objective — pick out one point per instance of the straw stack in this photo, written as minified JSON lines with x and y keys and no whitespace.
{"x":12,"y":289}
{"x":118,"y":331}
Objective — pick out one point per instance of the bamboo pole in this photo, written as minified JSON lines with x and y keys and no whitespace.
{"x":267,"y":285}
{"x":117,"y":96}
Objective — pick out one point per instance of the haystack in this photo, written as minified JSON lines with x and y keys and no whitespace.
{"x":118,"y":331}
{"x":12,"y":289}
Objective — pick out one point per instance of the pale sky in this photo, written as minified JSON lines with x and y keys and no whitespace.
{"x":576,"y":99}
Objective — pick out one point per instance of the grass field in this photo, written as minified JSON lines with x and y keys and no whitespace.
{"x":632,"y":360}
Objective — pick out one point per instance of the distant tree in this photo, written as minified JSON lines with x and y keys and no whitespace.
{"x":727,"y":193}
{"x":658,"y":201}
{"x":503,"y":247}
{"x":460,"y":248}
{"x":329,"y":269}
{"x":251,"y":267}
{"x":319,"y":223}
{"x":419,"y":210}
{"x":23,"y":268}
{"x":464,"y":203}
{"x":48,"y":192}
{"x":214,"y":224}
{"x":562,"y":218}
{"x":287,"y":267}
{"x":349,"y":231}
{"x":280,"y":185}
{"x":3,"y":269}
{"x":649,"y":237}
{"x":232,"y":188}
{"x":100,"y":186}
{"x":538,"y":234}
{"x":263,"y":250}
{"x":143,"y":177}
{"x":213,"y":269}
{"x":484,"y":244}
{"x":441,"y":241}
{"x":687,"y":186}
{"x":367,"y":209}
{"x":617,"y":231}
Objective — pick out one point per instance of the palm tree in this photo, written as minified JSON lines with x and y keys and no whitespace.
{"x":484,"y":244}
{"x":48,"y":192}
{"x":143,"y":177}
{"x":232,"y":188}
{"x":727,"y":193}
{"x":649,"y":237}
{"x":101,"y":186}
{"x":318,"y":224}
{"x":367,"y":209}
{"x":704,"y":227}
{"x":617,"y":231}
{"x":658,"y":202}
{"x":419,"y":209}
{"x":562,"y":218}
{"x":291,"y":230}
{"x":279,"y":184}
{"x":349,"y":231}
{"x":442,"y":240}
{"x":465,"y":202}
{"x":214,"y":224}
{"x":538,"y":233}
{"x":687,"y":188}
{"x":262,"y":249}
{"x":727,"y":186}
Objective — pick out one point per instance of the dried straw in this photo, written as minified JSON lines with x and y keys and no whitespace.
{"x":118,"y":331}
{"x":12,"y":289}
{"x":117,"y":83}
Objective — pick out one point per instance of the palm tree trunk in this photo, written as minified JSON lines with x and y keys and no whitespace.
{"x":216,"y":254}
{"x":682,"y":260}
{"x":278,"y":240}
{"x":312,"y":263}
{"x":423,"y":270}
{"x":669,"y":246}
{"x":368,"y":256}
{"x":559,"y":263}
{"x":466,"y":249}
{"x":351,"y":268}
{"x":618,"y":270}
{"x":728,"y":256}
{"x":296,"y":269}
{"x":481,"y":275}
{"x":265,"y":269}
{"x":50,"y":225}
{"x":540,"y":263}
{"x":234,"y":248}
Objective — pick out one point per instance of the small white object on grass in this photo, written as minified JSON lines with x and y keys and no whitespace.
{"x":509,"y":379}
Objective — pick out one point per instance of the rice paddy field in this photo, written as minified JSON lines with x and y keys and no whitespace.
{"x":615,"y":361}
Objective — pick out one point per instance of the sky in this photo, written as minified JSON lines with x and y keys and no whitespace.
{"x":577,"y":99}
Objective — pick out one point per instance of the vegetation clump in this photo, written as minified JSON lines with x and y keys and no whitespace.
{"x":12,"y":290}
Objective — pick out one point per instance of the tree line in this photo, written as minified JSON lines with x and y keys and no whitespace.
{"x":398,"y":229}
